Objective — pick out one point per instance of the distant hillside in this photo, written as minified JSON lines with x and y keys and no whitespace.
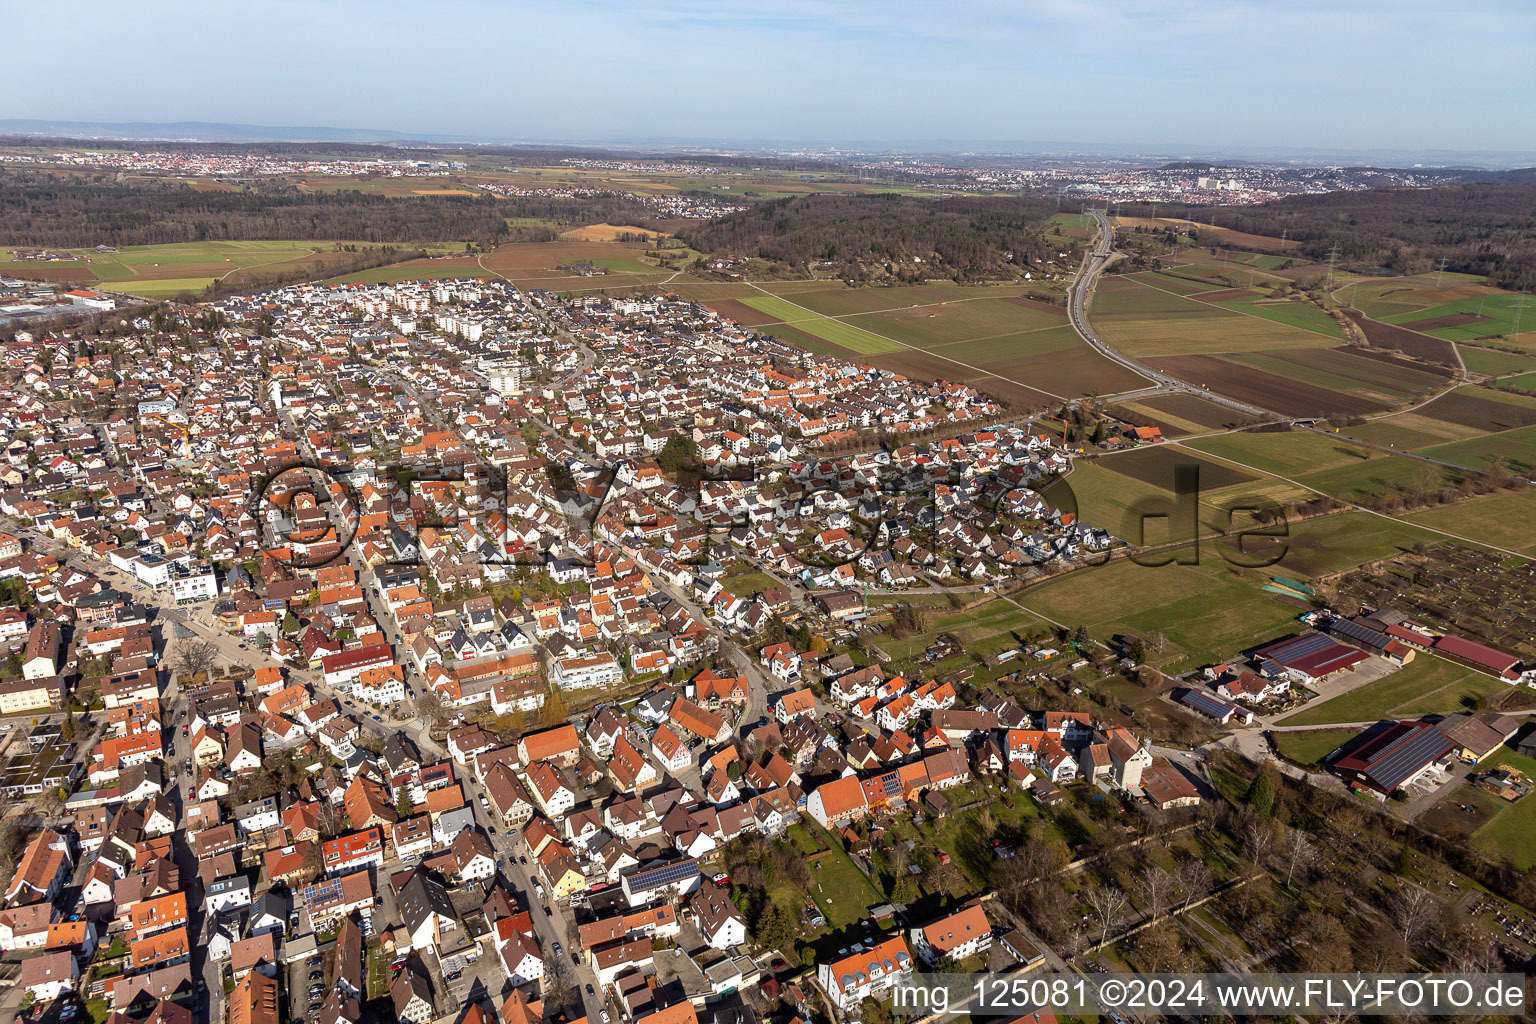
{"x":1479,"y":228}
{"x":858,"y":234}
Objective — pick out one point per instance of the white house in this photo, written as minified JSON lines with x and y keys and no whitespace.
{"x":959,"y":935}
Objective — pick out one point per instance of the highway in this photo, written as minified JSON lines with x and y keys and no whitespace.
{"x":1094,"y":262}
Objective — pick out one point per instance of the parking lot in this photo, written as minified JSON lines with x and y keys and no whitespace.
{"x":300,"y":982}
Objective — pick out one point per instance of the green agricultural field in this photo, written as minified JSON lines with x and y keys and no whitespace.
{"x":1503,"y":520}
{"x":1332,"y":543}
{"x":1291,"y":312}
{"x":984,"y":351}
{"x":1106,"y":498}
{"x":1496,"y":313}
{"x":1517,"y":449}
{"x":1409,"y":431}
{"x":1380,"y":475}
{"x":1496,"y":363}
{"x":1171,"y":281}
{"x":1520,"y":382}
{"x":1212,"y":331}
{"x":1509,"y":833}
{"x":1380,"y":297}
{"x":832,"y":298}
{"x":389,"y":275}
{"x":1311,"y":746}
{"x":1289,"y":453}
{"x":929,"y":325}
{"x":1129,"y":296}
{"x":835,"y":331}
{"x":1207,"y":611}
{"x":848,"y":336}
{"x":785,"y":310}
{"x":1417,"y":682}
{"x":622,"y":265}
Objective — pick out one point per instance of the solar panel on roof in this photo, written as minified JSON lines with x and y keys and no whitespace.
{"x":1207,"y":704}
{"x":1363,"y":634}
{"x":1408,"y":755}
{"x":1298,"y":647}
{"x":664,"y":875}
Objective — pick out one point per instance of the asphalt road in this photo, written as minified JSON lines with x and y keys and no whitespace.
{"x":1094,"y":262}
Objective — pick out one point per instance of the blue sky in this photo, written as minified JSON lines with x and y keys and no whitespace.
{"x":1406,"y":75}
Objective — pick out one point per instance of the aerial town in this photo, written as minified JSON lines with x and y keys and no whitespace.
{"x":446,"y":650}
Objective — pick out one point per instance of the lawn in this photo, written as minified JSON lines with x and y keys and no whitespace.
{"x":837,"y":885}
{"x":1414,"y":683}
{"x":1311,"y":746}
{"x":983,"y":629}
{"x":748,"y":584}
{"x":1509,"y":833}
{"x":1472,"y":689}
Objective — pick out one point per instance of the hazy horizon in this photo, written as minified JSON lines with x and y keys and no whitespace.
{"x":1204,"y":79}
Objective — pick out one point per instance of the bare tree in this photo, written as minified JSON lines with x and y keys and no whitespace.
{"x":194,"y":657}
{"x":431,"y":707}
{"x":1108,"y":903}
{"x":1075,"y":943}
{"x":331,"y":819}
{"x":1194,"y":876}
{"x":1412,"y":908}
{"x":1299,"y":853}
{"x":1258,"y":842}
{"x":1155,"y":886}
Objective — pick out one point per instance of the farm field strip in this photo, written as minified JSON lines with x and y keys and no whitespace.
{"x":1517,"y":449}
{"x":1292,"y":366}
{"x":1242,"y":309}
{"x":1285,"y":452}
{"x":1502,"y":520}
{"x":839,"y":332}
{"x":1284,"y":395}
{"x":1483,"y":315}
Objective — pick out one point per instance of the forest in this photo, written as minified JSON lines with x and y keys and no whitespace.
{"x":1483,"y":228}
{"x":964,"y":238}
{"x":40,"y":208}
